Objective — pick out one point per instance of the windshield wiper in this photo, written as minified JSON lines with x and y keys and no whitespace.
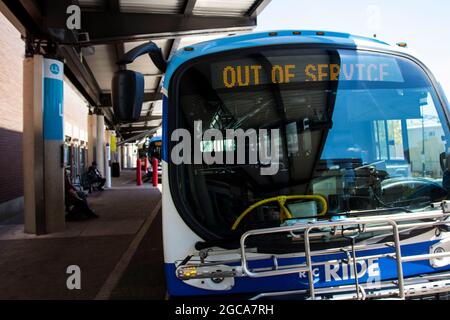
{"x":397,"y":204}
{"x":374,"y":211}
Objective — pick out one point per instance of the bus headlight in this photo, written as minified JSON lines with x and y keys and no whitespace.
{"x":213,"y":277}
{"x":188,"y":272}
{"x":185,"y":273}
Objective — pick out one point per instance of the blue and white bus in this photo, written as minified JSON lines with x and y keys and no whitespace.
{"x":357,"y":206}
{"x":154,"y":150}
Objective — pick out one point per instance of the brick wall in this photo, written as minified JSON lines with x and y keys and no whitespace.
{"x":11,"y":117}
{"x":11,"y":59}
{"x":75,"y":113}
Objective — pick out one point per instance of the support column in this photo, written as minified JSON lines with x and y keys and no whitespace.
{"x":92,"y":138}
{"x":127,"y":156}
{"x":108,"y":159}
{"x":123,"y":156}
{"x":54,"y":144}
{"x":120,"y":155}
{"x":43,"y":145}
{"x":130,"y":164}
{"x":123,"y":159}
{"x":33,"y":145}
{"x":100,"y":144}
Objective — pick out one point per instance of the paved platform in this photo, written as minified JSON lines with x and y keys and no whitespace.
{"x":124,"y":241}
{"x":144,"y":277}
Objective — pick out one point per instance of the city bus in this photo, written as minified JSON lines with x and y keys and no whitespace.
{"x":154,"y":147}
{"x":154,"y":150}
{"x":304,"y":165}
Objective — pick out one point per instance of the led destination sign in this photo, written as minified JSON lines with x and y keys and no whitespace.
{"x":294,"y":69}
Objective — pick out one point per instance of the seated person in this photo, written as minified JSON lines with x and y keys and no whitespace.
{"x":77,"y":206}
{"x":95,"y":176}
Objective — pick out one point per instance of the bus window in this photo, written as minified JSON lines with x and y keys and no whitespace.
{"x":426,"y":138}
{"x":388,"y":139}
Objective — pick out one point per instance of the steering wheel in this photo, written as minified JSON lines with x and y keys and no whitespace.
{"x":284,"y":211}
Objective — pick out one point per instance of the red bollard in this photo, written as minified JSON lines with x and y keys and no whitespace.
{"x":138,"y":172}
{"x":155,"y":171}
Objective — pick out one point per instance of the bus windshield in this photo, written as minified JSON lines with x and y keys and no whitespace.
{"x":365,"y":130}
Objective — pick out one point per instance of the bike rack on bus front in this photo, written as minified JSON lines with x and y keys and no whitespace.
{"x":308,"y":266}
{"x":397,"y":224}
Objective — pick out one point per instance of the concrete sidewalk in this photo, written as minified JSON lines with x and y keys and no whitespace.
{"x":34,"y":267}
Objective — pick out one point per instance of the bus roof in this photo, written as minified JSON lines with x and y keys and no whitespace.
{"x":155,"y":138}
{"x":271,"y":38}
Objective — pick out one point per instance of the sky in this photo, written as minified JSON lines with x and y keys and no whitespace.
{"x":424,"y":25}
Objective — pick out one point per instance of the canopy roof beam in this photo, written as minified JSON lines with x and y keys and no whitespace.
{"x":107,"y":27}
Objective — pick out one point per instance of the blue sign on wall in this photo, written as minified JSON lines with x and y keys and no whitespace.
{"x":53,"y":100}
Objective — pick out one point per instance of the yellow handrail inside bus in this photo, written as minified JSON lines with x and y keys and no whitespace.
{"x":285,"y":213}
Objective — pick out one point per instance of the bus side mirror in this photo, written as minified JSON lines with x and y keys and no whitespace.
{"x":127,"y":95}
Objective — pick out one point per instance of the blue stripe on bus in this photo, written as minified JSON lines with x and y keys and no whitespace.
{"x":165,"y":129}
{"x":387,"y":267}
